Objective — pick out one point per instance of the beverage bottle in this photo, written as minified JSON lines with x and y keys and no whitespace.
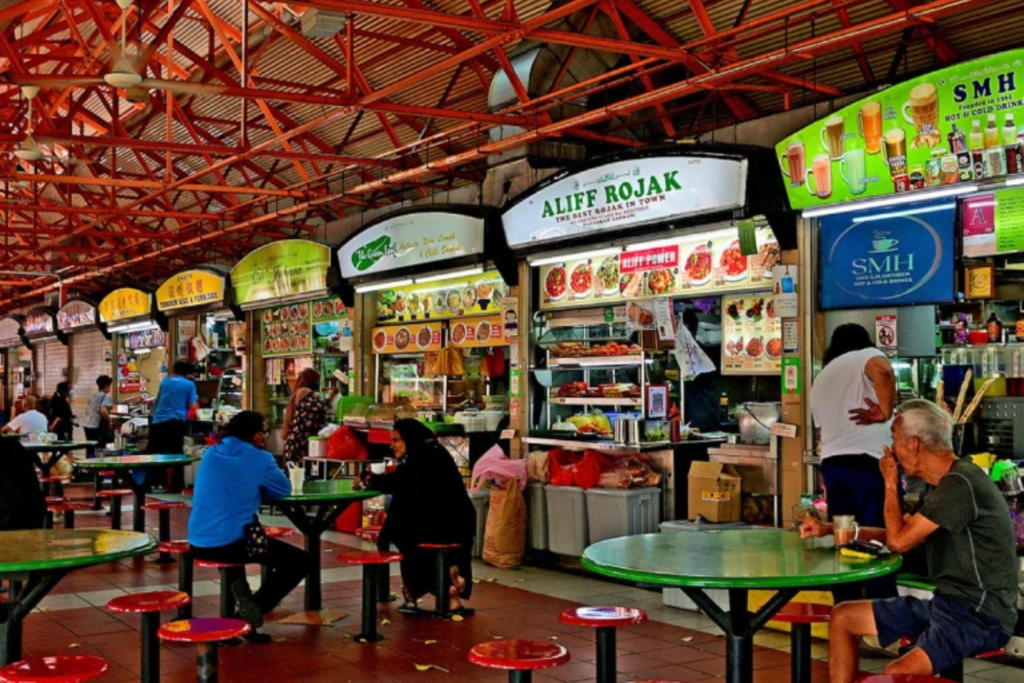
{"x":976,"y":144}
{"x":1019,"y":327}
{"x":723,"y":408}
{"x":995,"y":157}
{"x":994,"y":326}
{"x":1011,"y":146}
{"x":991,"y":132}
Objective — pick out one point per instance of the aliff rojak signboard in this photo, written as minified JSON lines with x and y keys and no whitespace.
{"x":411,"y":239}
{"x":281,"y":269}
{"x":624,"y":194}
{"x":957,"y":125}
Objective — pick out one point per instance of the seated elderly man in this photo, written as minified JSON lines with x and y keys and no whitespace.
{"x":964,"y":524}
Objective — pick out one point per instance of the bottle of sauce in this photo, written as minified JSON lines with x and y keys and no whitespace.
{"x":976,"y":145}
{"x":1011,"y":146}
{"x":994,"y":326}
{"x":1019,"y":327}
{"x":723,"y":408}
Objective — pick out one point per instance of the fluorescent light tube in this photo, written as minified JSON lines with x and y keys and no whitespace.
{"x":377,"y":286}
{"x":450,"y":274}
{"x":896,"y":200}
{"x":548,"y":260}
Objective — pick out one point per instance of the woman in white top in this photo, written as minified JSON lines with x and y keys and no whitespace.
{"x":853,"y":400}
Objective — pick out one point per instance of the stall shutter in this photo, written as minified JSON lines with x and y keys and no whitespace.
{"x":88,"y":354}
{"x":51,"y":359}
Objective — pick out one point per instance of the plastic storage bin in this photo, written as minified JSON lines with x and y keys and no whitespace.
{"x":536,"y":517}
{"x":482,"y":502}
{"x":567,"y":507}
{"x":612,"y":513}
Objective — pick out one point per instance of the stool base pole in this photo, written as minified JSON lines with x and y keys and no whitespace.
{"x":165,"y":535}
{"x":443,"y":582}
{"x":369,"y":633}
{"x":115,"y":513}
{"x":69,"y":519}
{"x":185,"y":583}
{"x":520,"y":677}
{"x":801,"y":648}
{"x":605,"y":655}
{"x":206,"y":663}
{"x":150,"y":648}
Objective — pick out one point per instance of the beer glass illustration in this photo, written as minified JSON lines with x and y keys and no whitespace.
{"x":821,"y":173}
{"x":794,"y":163}
{"x":853,"y":169}
{"x":869,"y":125}
{"x":922,"y":110}
{"x":895,"y":148}
{"x":832,"y":137}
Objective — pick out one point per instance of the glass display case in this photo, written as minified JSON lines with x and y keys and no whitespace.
{"x":409,"y":378}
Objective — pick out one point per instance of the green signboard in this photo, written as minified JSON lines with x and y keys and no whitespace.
{"x":961,"y":124}
{"x":281,"y":269}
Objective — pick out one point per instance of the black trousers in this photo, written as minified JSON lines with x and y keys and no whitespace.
{"x":287,"y":567}
{"x":101,"y":435}
{"x":167,"y":437}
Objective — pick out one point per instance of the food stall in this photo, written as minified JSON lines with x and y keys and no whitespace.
{"x":438,"y":350}
{"x":921,"y":244}
{"x":297,"y":321}
{"x":16,"y":362}
{"x":49,"y":351}
{"x":207,"y":330}
{"x":618,"y":248}
{"x":89,"y":350}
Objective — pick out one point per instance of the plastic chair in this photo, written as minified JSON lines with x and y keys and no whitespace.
{"x":114,"y":496}
{"x":606,"y":620}
{"x":519,"y":657}
{"x":370,"y":561}
{"x":185,"y":571}
{"x":62,"y":669}
{"x":57,"y":481}
{"x":68,"y":509}
{"x":164,"y":508}
{"x":149,"y":605}
{"x":800,"y":615}
{"x":207,"y":634}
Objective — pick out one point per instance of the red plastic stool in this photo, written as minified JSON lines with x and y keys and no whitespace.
{"x":185,"y":571}
{"x":57,"y":481}
{"x":519,"y":657}
{"x":207,"y":633}
{"x":149,"y":605}
{"x":605,"y":620}
{"x":227,"y":599}
{"x":63,"y":669}
{"x":902,"y":678}
{"x":370,"y":560}
{"x":114,"y":496}
{"x":279,"y":531}
{"x":800,"y":615}
{"x":164,"y":508}
{"x":69,"y":510}
{"x":955,"y":672}
{"x":444,"y":579}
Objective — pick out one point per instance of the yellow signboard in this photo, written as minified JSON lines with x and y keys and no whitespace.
{"x":124,"y":304}
{"x":478,"y":332}
{"x":413,"y":338}
{"x":442,"y":299}
{"x":190,"y":288}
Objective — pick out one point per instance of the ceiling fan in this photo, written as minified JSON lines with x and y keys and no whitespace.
{"x":29,"y":150}
{"x":123,"y":75}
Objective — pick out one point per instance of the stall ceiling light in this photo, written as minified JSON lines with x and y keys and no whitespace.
{"x":1016,"y":180}
{"x":477,"y":270}
{"x":891,"y":201}
{"x":376,"y":287}
{"x":548,"y":260}
{"x":687,"y":237}
{"x":133,"y":327}
{"x":908,"y":212}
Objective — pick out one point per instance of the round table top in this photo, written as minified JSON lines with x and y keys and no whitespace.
{"x":319,"y":491}
{"x":134,"y":462}
{"x":57,"y":446}
{"x":731,"y":559}
{"x":43,"y":549}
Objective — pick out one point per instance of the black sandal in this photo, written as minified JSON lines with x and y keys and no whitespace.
{"x":410,"y":608}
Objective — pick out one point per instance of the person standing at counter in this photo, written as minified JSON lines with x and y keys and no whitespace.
{"x":852,"y":401}
{"x":176,"y":397}
{"x":429,"y":504}
{"x":700,"y":395}
{"x":305,"y":415}
{"x":63,"y":420}
{"x":97,"y":413}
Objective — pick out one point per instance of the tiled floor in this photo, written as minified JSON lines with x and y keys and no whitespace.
{"x":676,"y":645}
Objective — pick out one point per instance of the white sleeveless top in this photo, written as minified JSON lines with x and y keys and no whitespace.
{"x":841,"y":387}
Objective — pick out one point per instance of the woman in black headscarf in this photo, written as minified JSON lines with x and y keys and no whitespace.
{"x":22,"y":505}
{"x":429,"y":504}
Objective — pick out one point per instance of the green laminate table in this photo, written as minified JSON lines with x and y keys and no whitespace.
{"x":124,"y":465}
{"x":312,"y":512}
{"x":35,"y":561}
{"x":56,"y":451}
{"x":738,"y":561}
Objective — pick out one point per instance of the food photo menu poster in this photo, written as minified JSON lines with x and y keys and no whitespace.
{"x":751,"y":335}
{"x":688,"y":267}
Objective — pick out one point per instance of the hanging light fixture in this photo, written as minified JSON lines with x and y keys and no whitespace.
{"x":123,"y":75}
{"x":28,"y":150}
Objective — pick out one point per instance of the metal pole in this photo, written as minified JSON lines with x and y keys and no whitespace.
{"x":801,"y":650}
{"x":441,"y":608}
{"x":206,"y":663}
{"x":150,"y":648}
{"x":185,"y":583}
{"x":115,"y":513}
{"x":369,"y":633}
{"x":739,"y":663}
{"x":313,"y":599}
{"x":605,"y":655}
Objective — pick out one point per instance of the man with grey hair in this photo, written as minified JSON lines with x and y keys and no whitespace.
{"x":964,"y":524}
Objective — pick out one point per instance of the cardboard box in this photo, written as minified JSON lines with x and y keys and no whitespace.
{"x":714,"y":491}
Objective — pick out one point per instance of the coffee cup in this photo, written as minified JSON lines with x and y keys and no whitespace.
{"x":884,"y":244}
{"x":845,"y":529}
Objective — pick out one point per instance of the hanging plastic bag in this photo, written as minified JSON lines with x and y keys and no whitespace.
{"x":588,"y":472}
{"x":563,"y":466}
{"x":344,"y":445}
{"x":690,"y":356}
{"x":495,"y":465}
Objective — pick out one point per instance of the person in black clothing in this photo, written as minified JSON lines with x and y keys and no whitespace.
{"x":22,"y":505}
{"x":62,"y":420}
{"x":429,"y":504}
{"x":700,"y":395}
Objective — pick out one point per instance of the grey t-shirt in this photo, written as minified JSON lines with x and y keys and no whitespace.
{"x":93,"y":417}
{"x":972,"y":556}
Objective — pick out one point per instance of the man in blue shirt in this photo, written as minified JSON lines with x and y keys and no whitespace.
{"x":176,"y":397}
{"x":234,"y":476}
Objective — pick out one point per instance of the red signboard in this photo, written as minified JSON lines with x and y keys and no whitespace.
{"x":649,"y":259}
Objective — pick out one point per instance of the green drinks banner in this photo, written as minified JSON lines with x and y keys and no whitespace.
{"x":960,"y":124}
